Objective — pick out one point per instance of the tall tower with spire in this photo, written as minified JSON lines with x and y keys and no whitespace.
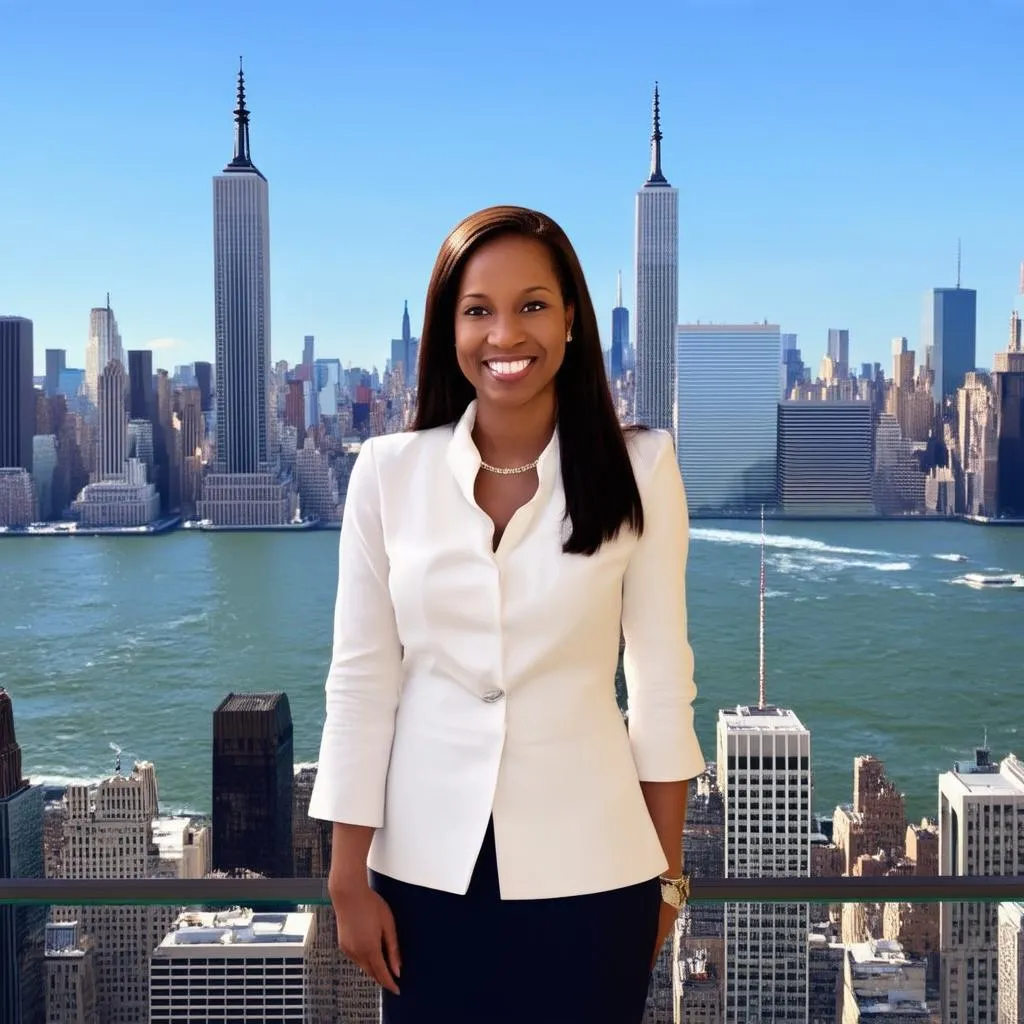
{"x":620,"y":332}
{"x":657,"y":290}
{"x":246,"y":487}
{"x":764,"y":770}
{"x":241,"y":256}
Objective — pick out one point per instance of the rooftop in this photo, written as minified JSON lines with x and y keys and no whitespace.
{"x":752,"y":718}
{"x":239,"y":927}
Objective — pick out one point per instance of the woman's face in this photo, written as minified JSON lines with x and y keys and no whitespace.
{"x":511,"y":321}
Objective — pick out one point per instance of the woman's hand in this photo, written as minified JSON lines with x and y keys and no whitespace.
{"x":366,"y":929}
{"x":666,"y":922}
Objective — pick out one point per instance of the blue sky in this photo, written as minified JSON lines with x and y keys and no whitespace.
{"x":828,"y":156}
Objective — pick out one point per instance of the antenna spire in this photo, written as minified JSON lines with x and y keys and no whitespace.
{"x":761,"y":687}
{"x":656,"y":177}
{"x":618,"y":290}
{"x":242,"y":160}
{"x":959,"y":255}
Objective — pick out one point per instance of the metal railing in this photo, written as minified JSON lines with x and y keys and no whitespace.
{"x":259,"y":891}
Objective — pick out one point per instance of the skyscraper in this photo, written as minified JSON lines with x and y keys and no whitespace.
{"x":17,"y":401}
{"x":764,"y":770}
{"x":56,"y":363}
{"x":253,"y":764}
{"x":112,"y":404}
{"x":949,"y":332}
{"x":620,"y":331}
{"x":104,"y":344}
{"x":839,"y":351}
{"x":657,"y":290}
{"x":981,"y":832}
{"x":241,"y":254}
{"x":727,"y":387}
{"x":404,"y":350}
{"x":142,"y":398}
{"x":22,"y":928}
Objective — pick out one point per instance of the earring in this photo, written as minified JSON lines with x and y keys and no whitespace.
{"x":568,"y":337}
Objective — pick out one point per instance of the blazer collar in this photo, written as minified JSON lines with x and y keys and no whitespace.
{"x":464,"y":458}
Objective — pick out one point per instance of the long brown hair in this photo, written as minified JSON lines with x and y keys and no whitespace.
{"x":601,"y":495}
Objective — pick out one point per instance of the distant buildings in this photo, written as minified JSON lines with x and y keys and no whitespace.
{"x":949,"y":334}
{"x":657,"y":290}
{"x":17,"y":400}
{"x":620,"y":333}
{"x":103,"y":346}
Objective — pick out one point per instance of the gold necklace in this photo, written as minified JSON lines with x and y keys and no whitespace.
{"x":509,"y":470}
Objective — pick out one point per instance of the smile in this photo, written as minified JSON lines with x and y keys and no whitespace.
{"x":510,"y":369}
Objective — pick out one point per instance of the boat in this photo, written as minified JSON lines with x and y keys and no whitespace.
{"x":981,"y":579}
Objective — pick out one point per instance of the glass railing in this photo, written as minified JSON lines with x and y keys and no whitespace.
{"x":906,"y":948}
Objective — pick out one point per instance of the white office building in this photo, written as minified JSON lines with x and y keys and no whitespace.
{"x":657,"y":290}
{"x":764,"y":770}
{"x":981,"y":832}
{"x":235,"y":965}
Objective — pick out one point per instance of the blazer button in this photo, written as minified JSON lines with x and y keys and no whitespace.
{"x":493,"y":695}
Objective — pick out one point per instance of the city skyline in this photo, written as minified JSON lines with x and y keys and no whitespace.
{"x":770,"y":231}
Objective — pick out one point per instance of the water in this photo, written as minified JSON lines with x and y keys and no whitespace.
{"x":128,"y":644}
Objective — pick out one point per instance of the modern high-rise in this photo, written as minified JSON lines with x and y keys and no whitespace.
{"x":253,"y":764}
{"x":142,"y":398}
{"x":764,"y":773}
{"x":17,"y":401}
{"x":56,"y":364}
{"x":839,"y":351}
{"x":764,"y":755}
{"x":104,"y":345}
{"x":204,"y":381}
{"x":981,"y":832}
{"x":241,"y":255}
{"x":22,"y":928}
{"x":826,"y":458}
{"x":112,"y":435}
{"x":949,"y":333}
{"x":657,"y":290}
{"x":727,"y":396}
{"x":620,"y":332}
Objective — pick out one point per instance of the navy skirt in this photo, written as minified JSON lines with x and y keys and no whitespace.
{"x":478,"y":959}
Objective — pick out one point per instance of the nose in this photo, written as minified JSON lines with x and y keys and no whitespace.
{"x":506,"y":332}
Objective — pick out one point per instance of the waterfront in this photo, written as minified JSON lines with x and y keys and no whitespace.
{"x":113,"y":646}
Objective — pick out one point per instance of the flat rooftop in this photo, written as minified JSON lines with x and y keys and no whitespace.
{"x":237,"y":932}
{"x":752,"y":718}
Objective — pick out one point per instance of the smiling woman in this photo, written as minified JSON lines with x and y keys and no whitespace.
{"x":474,"y":756}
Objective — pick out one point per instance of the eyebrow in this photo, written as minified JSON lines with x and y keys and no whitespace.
{"x":526,"y":291}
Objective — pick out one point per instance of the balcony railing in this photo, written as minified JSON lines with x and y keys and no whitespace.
{"x":310,"y":891}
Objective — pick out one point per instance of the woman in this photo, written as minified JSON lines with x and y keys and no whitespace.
{"x":524,"y":848}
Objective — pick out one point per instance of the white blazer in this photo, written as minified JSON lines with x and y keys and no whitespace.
{"x":467,"y":682}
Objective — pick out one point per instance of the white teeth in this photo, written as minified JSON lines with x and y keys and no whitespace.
{"x":508,"y":367}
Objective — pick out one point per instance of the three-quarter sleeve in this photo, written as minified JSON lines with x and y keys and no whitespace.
{"x":658,"y":659}
{"x":364,"y":681}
